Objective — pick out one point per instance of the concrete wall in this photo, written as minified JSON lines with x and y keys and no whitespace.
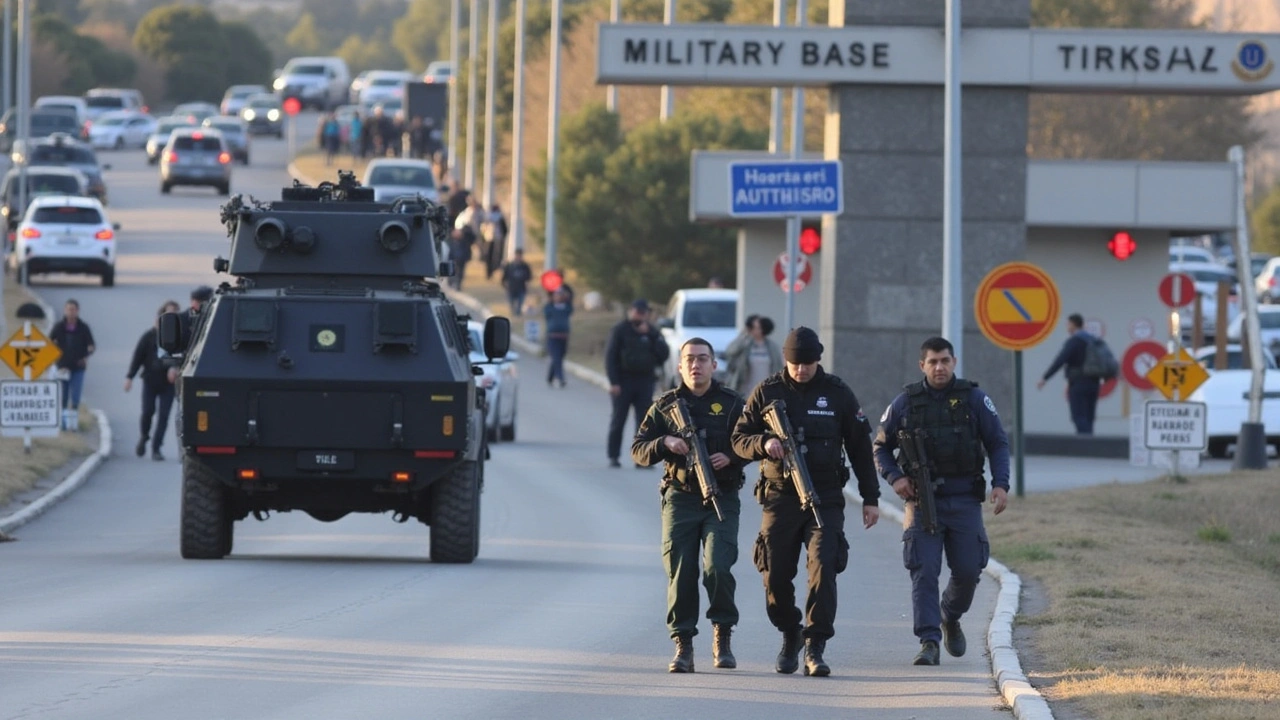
{"x":759,"y":245}
{"x":883,"y":263}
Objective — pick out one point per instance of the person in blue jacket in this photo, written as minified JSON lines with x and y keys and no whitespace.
{"x":1082,"y":392}
{"x":960,"y":423}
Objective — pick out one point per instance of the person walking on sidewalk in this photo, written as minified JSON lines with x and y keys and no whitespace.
{"x":959,"y":421}
{"x":1082,"y":392}
{"x":690,"y":527}
{"x":635,"y":350}
{"x":516,"y":275}
{"x":74,"y":338}
{"x":157,"y":391}
{"x":557,"y":314}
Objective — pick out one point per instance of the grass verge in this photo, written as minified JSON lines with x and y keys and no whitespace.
{"x":19,"y":471}
{"x":590,"y":328}
{"x":1157,"y":600}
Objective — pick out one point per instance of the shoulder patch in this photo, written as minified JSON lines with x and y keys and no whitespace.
{"x":990,"y":404}
{"x":885,"y":415}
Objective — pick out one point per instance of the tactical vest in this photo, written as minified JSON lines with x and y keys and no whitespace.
{"x":823,"y":442}
{"x":715,"y":429}
{"x":952,"y":440}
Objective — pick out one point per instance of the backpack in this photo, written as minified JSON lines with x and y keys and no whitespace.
{"x":1099,"y":362}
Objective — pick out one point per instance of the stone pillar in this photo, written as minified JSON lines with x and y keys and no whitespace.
{"x":882,"y":278}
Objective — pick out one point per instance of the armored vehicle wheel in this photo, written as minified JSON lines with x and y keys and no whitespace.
{"x":455,"y":515}
{"x":207,"y":527}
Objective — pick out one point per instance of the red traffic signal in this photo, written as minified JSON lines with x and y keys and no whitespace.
{"x":292,"y":106}
{"x":1122,"y":245}
{"x":552,"y":280}
{"x":810,"y":240}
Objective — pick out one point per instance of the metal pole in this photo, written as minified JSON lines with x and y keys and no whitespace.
{"x":611,"y":93}
{"x":473,"y":59}
{"x":1251,"y":446}
{"x":775,"y":95}
{"x":797,"y":148}
{"x":7,"y":100}
{"x":553,"y":131}
{"x":517,"y":141}
{"x":1018,"y":454}
{"x":668,"y":93}
{"x":23,"y":102}
{"x":952,"y":301}
{"x":490,"y":85}
{"x":454,"y":25}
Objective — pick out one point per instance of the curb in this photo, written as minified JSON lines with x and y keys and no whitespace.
{"x":69,"y":485}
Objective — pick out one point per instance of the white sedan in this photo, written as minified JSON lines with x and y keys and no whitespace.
{"x":121,"y":129}
{"x":391,"y":178}
{"x":500,"y":383}
{"x":1226,"y":395}
{"x":1269,"y":325}
{"x":381,"y":85}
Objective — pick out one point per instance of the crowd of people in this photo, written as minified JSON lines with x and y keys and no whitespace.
{"x":378,"y":134}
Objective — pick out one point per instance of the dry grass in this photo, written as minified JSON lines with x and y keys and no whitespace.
{"x":19,"y":471}
{"x":1160,"y":600}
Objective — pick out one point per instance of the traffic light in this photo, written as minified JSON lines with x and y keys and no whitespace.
{"x":1122,"y":245}
{"x":810,"y":239}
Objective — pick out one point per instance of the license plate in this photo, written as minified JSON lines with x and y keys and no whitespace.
{"x":68,"y":240}
{"x":326,"y":460}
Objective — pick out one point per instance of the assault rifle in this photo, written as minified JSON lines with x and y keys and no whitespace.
{"x":697,"y":461}
{"x":793,"y":449}
{"x":915,"y":463}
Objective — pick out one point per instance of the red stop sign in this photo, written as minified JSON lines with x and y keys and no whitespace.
{"x":552,"y":280}
{"x":291,"y":106}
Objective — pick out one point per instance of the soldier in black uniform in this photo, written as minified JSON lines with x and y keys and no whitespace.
{"x":822,"y":407}
{"x":960,"y":421}
{"x":689,"y":527}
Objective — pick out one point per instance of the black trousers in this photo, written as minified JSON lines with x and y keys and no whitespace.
{"x":157,"y":398}
{"x":636,"y":397}
{"x":784,"y":529}
{"x":1082,"y":397}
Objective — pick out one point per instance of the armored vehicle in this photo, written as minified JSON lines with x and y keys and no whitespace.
{"x":332,"y":376}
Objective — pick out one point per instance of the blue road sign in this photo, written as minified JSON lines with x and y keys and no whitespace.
{"x":785,"y":188}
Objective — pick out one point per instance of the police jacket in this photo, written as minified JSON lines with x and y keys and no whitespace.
{"x":632,"y":355}
{"x":1071,"y":359}
{"x":961,"y":423}
{"x":714,"y":414}
{"x":150,"y":361}
{"x":828,"y":413}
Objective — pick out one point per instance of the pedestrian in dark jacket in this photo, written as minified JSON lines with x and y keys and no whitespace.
{"x":74,"y":338}
{"x":557,"y":313}
{"x":157,"y":392}
{"x":1082,"y":392}
{"x":635,"y":350}
{"x":515,"y":280}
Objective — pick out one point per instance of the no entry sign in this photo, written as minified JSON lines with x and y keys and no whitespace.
{"x":1177,"y":290}
{"x":1017,"y":305}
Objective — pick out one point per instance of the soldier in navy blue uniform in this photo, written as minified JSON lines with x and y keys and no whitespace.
{"x":825,"y":410}
{"x":960,"y":421}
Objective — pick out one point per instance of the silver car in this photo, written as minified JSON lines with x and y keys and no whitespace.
{"x":500,"y":383}
{"x":196,"y":156}
{"x":158,"y":139}
{"x":392,"y":177}
{"x":235,"y":132}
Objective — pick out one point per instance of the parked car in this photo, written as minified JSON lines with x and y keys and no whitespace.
{"x":40,"y":181}
{"x":196,"y":111}
{"x":708,"y":313}
{"x":1257,"y":261}
{"x":1235,"y":357}
{"x":263,"y":115}
{"x":65,"y":233}
{"x":1226,"y":396}
{"x":104,"y":100}
{"x":44,"y":122}
{"x":384,"y":84}
{"x":62,"y":150}
{"x":1206,"y":276}
{"x":1191,"y":253}
{"x":121,"y":129}
{"x":392,"y":177}
{"x":196,"y":156}
{"x":320,"y":82}
{"x":1267,"y":283}
{"x":160,"y":136}
{"x":501,"y":386}
{"x":235,"y":132}
{"x":1269,"y":325}
{"x":234,"y":99}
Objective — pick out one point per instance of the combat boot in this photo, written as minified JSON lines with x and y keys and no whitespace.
{"x":789,"y":655}
{"x":928,"y":654}
{"x":953,"y":638}
{"x":813,"y":662}
{"x":683,"y":661}
{"x":721,"y":652}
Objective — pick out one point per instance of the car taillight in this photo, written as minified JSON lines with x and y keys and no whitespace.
{"x":173,"y":156}
{"x":30,"y":232}
{"x":1271,"y":282}
{"x":105,"y":234}
{"x":224,"y":158}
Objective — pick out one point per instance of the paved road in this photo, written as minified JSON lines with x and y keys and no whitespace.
{"x":560,"y":617}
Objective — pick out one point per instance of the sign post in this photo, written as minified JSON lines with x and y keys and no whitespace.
{"x":292,"y":106}
{"x":1017,"y":307}
{"x":790,"y":189}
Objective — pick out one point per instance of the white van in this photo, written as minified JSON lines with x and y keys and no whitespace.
{"x":320,"y":82}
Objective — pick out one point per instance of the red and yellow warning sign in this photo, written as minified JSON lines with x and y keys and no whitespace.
{"x":1017,"y":305}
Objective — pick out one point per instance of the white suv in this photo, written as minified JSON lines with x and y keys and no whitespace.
{"x":320,"y":82}
{"x":65,"y":233}
{"x":708,"y":313}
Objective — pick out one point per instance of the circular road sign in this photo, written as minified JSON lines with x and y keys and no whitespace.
{"x":804,"y":272}
{"x":552,"y":280}
{"x":1138,"y":361}
{"x":1177,"y":290}
{"x":292,"y":106}
{"x":1017,"y":305}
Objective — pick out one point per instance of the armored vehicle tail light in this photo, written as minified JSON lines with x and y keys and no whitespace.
{"x":216,"y":449}
{"x":202,"y":421}
{"x":435,"y":454}
{"x":401,"y":477}
{"x":269,"y":234}
{"x":448,"y":425}
{"x":246,"y":474}
{"x":30,"y":233}
{"x":104,"y":235}
{"x":394,"y":236}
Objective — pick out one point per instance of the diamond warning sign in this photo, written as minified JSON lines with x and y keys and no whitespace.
{"x":29,"y":352}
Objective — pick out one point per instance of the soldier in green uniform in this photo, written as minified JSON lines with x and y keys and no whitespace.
{"x":689,"y":526}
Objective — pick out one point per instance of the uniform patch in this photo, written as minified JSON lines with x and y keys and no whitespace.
{"x":990,"y":405}
{"x":861,"y":416}
{"x":822,"y":401}
{"x":955,"y":402}
{"x":717,"y":408}
{"x":885,"y":415}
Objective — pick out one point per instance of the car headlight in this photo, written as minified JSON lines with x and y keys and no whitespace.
{"x":249,"y":114}
{"x":278,"y":84}
{"x":273,"y":115}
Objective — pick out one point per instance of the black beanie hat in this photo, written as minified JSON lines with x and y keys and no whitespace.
{"x":802,"y":346}
{"x":202,"y":293}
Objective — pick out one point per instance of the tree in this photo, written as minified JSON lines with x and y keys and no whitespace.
{"x":251,"y":62}
{"x":86,"y":61}
{"x":189,"y":43}
{"x":372,"y":53}
{"x":622,"y":202}
{"x":1265,"y":223}
{"x":1126,"y":126}
{"x":418,"y":34}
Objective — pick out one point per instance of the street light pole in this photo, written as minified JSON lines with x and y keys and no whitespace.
{"x":490,"y":85}
{"x":952,"y":223}
{"x":454,"y":25}
{"x":668,"y":92}
{"x":473,"y":55}
{"x":553,"y":132}
{"x":517,"y":139}
{"x":611,"y":94}
{"x":797,"y":149}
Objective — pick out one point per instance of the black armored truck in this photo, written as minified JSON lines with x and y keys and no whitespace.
{"x":333,"y":375}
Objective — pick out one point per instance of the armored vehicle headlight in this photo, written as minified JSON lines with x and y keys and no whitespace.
{"x":269,"y":234}
{"x":394,"y":236}
{"x":303,"y":240}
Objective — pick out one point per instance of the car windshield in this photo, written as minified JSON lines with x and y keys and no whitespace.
{"x":48,"y":185}
{"x":49,"y":124}
{"x":104,"y":101}
{"x":110,"y":121}
{"x":68,"y":215}
{"x":1269,"y":320}
{"x":1209,"y":275}
{"x":264,"y":103}
{"x":190,"y":142}
{"x":385,"y":81}
{"x":305,"y":70}
{"x":711,"y":313}
{"x":227,"y":127}
{"x":61,"y":155}
{"x":477,"y":345}
{"x":167,"y":126}
{"x":401,"y":175}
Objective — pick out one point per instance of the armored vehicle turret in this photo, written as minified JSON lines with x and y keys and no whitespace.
{"x":331,"y":375}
